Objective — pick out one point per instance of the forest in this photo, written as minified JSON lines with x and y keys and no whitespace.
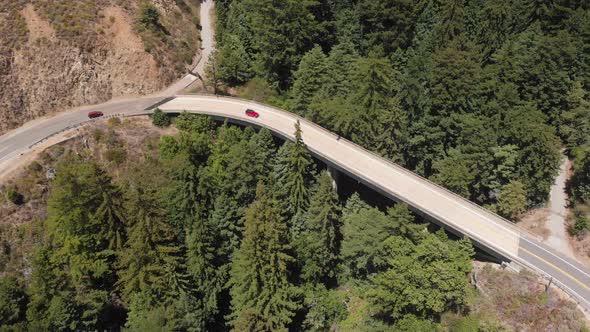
{"x":478,"y":96}
{"x":225,"y":228}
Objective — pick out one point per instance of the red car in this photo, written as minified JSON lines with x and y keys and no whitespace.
{"x":252,"y":113}
{"x":95,"y":114}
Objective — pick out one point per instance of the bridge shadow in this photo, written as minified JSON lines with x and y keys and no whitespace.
{"x":347,"y":186}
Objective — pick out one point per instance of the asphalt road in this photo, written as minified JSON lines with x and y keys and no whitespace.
{"x":488,"y":231}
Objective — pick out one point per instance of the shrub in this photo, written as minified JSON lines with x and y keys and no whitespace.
{"x":115,"y":155}
{"x":14,"y":196}
{"x":112,"y":139}
{"x":35,"y":167}
{"x":114,"y":122}
{"x":580,"y":225}
{"x":97,"y":135}
{"x":149,"y":16}
{"x":160,"y":119}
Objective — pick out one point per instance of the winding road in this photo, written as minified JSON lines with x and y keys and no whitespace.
{"x":487,"y":230}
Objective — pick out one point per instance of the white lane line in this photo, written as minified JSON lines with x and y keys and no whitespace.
{"x":426,"y":185}
{"x":4,"y":149}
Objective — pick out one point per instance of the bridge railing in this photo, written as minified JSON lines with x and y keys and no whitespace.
{"x":375,"y":155}
{"x":78,"y":125}
{"x":583,"y":303}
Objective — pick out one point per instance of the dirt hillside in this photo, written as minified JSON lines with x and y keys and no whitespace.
{"x":62,"y":54}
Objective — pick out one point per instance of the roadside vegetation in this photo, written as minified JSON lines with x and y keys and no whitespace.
{"x":478,"y":96}
{"x":201,"y":226}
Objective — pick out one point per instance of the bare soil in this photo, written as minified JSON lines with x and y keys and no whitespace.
{"x":534,"y":222}
{"x":522,"y":302}
{"x":56,"y":55}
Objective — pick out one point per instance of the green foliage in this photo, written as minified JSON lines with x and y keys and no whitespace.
{"x":261,"y":291}
{"x":309,"y":78}
{"x":294,"y":173}
{"x":233,"y":61}
{"x":363,"y":234}
{"x":149,"y":15}
{"x":75,"y":269}
{"x":411,"y":323}
{"x":319,"y":245}
{"x":512,"y":200}
{"x":387,"y":23}
{"x":160,"y":119}
{"x":580,"y":182}
{"x":194,"y":123}
{"x":324,"y":308}
{"x":581,"y":224}
{"x":151,"y":260}
{"x":427,"y":279}
{"x":13,"y":302}
{"x":14,"y":196}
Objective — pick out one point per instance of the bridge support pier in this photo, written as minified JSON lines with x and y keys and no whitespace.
{"x":335,"y":175}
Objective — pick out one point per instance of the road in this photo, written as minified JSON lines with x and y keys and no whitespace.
{"x":12,"y":142}
{"x":556,"y":224}
{"x":207,"y":47}
{"x":487,"y":230}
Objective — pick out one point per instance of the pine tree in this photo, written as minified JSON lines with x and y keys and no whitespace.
{"x":575,"y":121}
{"x":319,"y":247}
{"x":233,"y":61}
{"x":512,"y":200}
{"x":207,"y":279}
{"x":388,"y":23}
{"x":151,"y":260}
{"x":260,"y":286}
{"x":310,"y":77}
{"x":294,"y":174}
{"x":184,"y":201}
{"x":342,"y":63}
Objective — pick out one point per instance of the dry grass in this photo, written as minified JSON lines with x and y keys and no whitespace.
{"x":520,"y":301}
{"x":534,"y":222}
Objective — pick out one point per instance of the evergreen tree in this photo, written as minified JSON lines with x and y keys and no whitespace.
{"x":76,"y":264}
{"x":452,"y":20}
{"x":282,"y":31}
{"x":261,"y":291}
{"x":512,"y":200}
{"x":207,"y":278}
{"x":152,"y":261}
{"x":13,"y":302}
{"x":427,"y":279}
{"x":364,"y":233}
{"x":580,"y":182}
{"x":233,"y":61}
{"x":319,"y":247}
{"x":310,"y":77}
{"x":575,"y":121}
{"x":294,"y":174}
{"x":387,"y":23}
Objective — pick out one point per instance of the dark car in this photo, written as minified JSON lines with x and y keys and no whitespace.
{"x":252,"y":113}
{"x":94,"y":114}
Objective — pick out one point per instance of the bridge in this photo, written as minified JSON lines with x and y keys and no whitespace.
{"x":487,"y":230}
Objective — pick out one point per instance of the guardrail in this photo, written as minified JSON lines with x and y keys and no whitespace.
{"x":75,"y":126}
{"x":584,"y":304}
{"x":391,"y":163}
{"x":577,"y":298}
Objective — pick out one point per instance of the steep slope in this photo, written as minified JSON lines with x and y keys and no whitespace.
{"x":64,"y":54}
